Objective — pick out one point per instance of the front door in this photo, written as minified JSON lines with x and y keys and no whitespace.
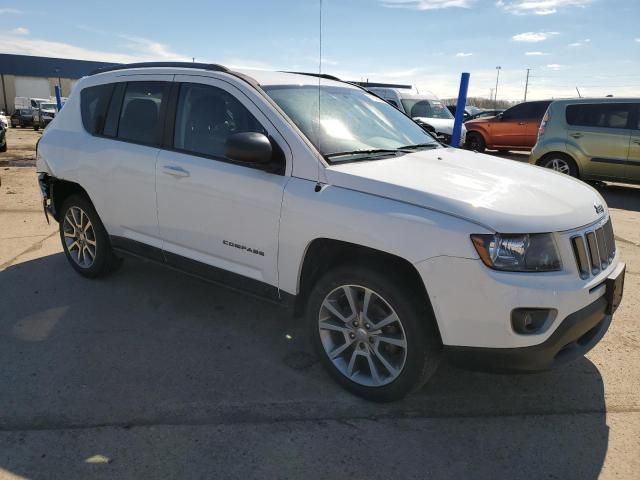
{"x":214,"y":212}
{"x":601,"y":132}
{"x":633,"y":163}
{"x":509,"y":129}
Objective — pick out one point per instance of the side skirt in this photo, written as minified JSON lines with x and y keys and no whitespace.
{"x":218,"y":276}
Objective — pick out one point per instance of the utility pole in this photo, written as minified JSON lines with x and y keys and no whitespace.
{"x":526,"y":85}
{"x":495,"y":98}
{"x":490,"y":94}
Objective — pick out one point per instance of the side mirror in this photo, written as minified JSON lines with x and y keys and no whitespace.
{"x":249,"y":147}
{"x":500,"y":115}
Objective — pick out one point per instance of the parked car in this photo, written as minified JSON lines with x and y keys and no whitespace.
{"x":514,"y":129}
{"x":4,"y":120}
{"x":43,"y":115}
{"x":486,"y":114}
{"x":29,"y":103}
{"x":392,"y":247}
{"x":3,"y":138}
{"x":424,"y":107}
{"x":469,"y":111}
{"x":592,"y":139}
{"x":22,"y":117}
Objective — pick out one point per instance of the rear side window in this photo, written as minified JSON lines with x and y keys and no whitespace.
{"x":604,"y":115}
{"x":93,"y":105}
{"x":522,"y":111}
{"x":140,"y":119}
{"x":207,"y":116}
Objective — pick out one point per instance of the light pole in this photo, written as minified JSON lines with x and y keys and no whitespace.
{"x":495,"y":98}
{"x":59,"y":81}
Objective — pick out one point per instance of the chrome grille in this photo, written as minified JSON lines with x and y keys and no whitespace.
{"x":594,"y":249}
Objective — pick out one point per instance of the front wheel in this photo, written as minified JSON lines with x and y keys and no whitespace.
{"x":372,"y":335}
{"x":84,"y":238}
{"x":36,"y":127}
{"x":476,"y":142}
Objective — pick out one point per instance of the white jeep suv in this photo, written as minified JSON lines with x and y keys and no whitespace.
{"x":315,"y":194}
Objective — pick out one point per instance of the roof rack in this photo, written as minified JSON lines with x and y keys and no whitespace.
{"x":319,"y":75}
{"x":201,"y":66}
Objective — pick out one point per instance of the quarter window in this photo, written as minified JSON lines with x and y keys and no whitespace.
{"x":93,"y":106}
{"x":604,"y":115}
{"x":206,"y":117}
{"x":140,"y":119}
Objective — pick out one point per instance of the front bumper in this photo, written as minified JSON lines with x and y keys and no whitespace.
{"x":575,"y":336}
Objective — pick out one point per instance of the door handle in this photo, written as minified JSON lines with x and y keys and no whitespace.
{"x":522,"y":123}
{"x":576,"y":135}
{"x":175,"y":171}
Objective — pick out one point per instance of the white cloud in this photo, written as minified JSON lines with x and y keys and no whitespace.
{"x":555,"y":66}
{"x":135,"y":50}
{"x":7,"y":11}
{"x":463,"y":54}
{"x":638,"y":40}
{"x":581,"y":43}
{"x":427,"y":4}
{"x":20,"y":31}
{"x":533,"y":37}
{"x":539,"y":7}
{"x":535,"y":54}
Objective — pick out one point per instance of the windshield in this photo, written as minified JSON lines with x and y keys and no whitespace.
{"x":48,"y":106}
{"x":421,"y":107}
{"x":350,"y":119}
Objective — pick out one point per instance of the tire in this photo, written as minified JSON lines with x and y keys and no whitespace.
{"x":560,"y":162}
{"x":476,"y":142}
{"x":97,"y":257}
{"x":36,"y":127}
{"x":361,"y":343}
{"x":3,"y":148}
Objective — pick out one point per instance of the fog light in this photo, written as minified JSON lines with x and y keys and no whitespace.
{"x":526,"y":321}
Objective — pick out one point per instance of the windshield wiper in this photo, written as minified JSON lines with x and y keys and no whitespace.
{"x":419,"y":145}
{"x":366,"y":152}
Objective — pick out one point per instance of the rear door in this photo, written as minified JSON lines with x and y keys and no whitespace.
{"x":532,"y":124}
{"x":123,"y":150}
{"x":633,"y":163}
{"x":509,"y":130}
{"x":601,"y":131}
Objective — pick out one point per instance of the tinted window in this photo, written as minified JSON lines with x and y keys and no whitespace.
{"x":605,"y":115}
{"x":140,"y":120}
{"x":206,"y":116}
{"x":538,"y":109}
{"x":519,"y":112}
{"x":93,"y":106}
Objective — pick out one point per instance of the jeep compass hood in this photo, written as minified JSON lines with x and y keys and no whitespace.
{"x":505,"y":195}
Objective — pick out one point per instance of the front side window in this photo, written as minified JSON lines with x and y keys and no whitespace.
{"x":417,"y":107}
{"x":140,"y":120}
{"x":344,"y":119}
{"x":523,"y":111}
{"x":604,"y":115}
{"x":93,"y":107}
{"x":206,"y":117}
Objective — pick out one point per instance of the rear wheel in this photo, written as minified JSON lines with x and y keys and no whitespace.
{"x":560,"y":163}
{"x":84,"y":238}
{"x":371,"y":334}
{"x":476,"y":142}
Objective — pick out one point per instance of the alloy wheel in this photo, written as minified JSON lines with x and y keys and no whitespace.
{"x":362,"y":335}
{"x":79,"y":237}
{"x":559,"y":165}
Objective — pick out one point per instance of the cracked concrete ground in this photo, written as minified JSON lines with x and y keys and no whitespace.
{"x":152,"y":374}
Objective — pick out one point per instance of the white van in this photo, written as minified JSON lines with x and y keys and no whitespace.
{"x":28,"y":103}
{"x":424,"y":107}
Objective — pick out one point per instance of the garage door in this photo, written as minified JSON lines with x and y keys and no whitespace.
{"x":32,"y":87}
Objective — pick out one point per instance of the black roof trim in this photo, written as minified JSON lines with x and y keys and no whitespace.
{"x":319,"y":75}
{"x":200,"y":66}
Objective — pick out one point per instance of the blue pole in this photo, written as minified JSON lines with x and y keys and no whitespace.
{"x":462,"y":103}
{"x":58,"y":99}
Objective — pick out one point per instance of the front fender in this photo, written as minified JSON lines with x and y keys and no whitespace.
{"x":406,"y":231}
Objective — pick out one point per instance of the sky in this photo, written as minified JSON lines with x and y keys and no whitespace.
{"x":593,"y":45}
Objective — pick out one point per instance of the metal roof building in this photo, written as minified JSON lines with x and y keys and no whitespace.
{"x":36,"y":77}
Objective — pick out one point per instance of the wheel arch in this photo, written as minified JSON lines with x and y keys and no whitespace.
{"x":59,"y":190}
{"x":323,"y":254}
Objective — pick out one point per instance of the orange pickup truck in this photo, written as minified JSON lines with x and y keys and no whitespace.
{"x":513,"y":129}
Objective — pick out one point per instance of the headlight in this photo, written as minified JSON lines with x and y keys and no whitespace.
{"x":518,"y":252}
